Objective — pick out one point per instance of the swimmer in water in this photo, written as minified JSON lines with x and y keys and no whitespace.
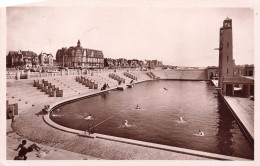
{"x":181,"y":120}
{"x":165,"y":88}
{"x":89,"y":117}
{"x":137,"y":107}
{"x":126,"y":123}
{"x":201,"y":133}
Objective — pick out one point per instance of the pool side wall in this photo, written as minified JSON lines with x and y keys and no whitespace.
{"x":240,"y":123}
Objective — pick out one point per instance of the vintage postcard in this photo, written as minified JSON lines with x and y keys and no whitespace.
{"x":131,"y":81}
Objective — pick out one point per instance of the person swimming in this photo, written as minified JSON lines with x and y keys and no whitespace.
{"x":165,"y":88}
{"x":137,"y":107}
{"x":89,"y":117}
{"x":181,"y":119}
{"x":126,"y":123}
{"x":201,"y":133}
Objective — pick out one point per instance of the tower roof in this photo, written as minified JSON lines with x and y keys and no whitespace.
{"x":78,"y":44}
{"x":228,"y":18}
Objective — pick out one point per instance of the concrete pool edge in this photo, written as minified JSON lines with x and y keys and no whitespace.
{"x":244,"y":127}
{"x":48,"y":121}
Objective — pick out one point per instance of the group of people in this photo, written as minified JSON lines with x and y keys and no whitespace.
{"x":200,"y":133}
{"x":105,"y":86}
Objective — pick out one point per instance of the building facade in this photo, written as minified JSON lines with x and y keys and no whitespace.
{"x":45,"y":59}
{"x":22,"y":59}
{"x":245,"y":70}
{"x":116,"y":63}
{"x":133,"y":63}
{"x":212,"y":72}
{"x":249,"y":70}
{"x":122,"y":63}
{"x":153,"y":63}
{"x":78,"y":56}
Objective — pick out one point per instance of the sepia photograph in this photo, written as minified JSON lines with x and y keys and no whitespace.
{"x":136,"y":81}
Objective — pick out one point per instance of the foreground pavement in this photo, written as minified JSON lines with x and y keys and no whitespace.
{"x":49,"y":153}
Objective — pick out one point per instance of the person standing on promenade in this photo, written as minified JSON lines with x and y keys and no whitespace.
{"x":107,"y":85}
{"x":104,"y":87}
{"x":11,"y":113}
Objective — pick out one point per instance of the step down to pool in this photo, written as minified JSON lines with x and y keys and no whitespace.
{"x":121,"y":87}
{"x":87,"y":135}
{"x":130,"y":85}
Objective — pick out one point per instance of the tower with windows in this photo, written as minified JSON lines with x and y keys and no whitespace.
{"x":226,"y":62}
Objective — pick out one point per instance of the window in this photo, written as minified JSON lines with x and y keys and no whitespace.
{"x":250,"y":73}
{"x":227,"y":58}
{"x":227,"y":45}
{"x":227,"y":71}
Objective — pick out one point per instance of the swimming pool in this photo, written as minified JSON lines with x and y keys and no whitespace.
{"x":162,"y":103}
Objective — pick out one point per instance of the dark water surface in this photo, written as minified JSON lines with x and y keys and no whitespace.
{"x":158,"y":119}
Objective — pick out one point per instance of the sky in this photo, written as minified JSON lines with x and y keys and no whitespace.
{"x":176,"y":36}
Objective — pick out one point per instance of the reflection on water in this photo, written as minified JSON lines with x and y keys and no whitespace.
{"x":224,"y":136}
{"x":158,"y":120}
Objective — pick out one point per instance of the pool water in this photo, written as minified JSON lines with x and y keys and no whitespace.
{"x":162,"y":104}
